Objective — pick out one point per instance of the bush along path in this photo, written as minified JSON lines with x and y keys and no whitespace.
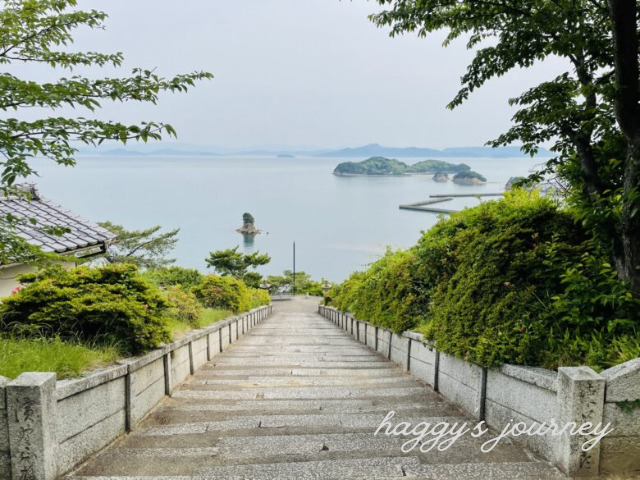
{"x":297,"y":398}
{"x":72,"y":321}
{"x":516,"y":281}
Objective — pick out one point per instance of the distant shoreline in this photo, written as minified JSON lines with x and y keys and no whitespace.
{"x":388,"y":175}
{"x":383,"y":175}
{"x":339,"y":153}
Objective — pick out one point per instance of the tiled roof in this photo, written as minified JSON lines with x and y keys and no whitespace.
{"x":83,"y":234}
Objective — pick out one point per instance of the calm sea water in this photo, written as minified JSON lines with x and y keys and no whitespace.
{"x":339,"y":224}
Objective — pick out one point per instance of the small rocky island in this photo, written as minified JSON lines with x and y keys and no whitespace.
{"x":381,"y":166}
{"x":440,"y":177}
{"x":248,"y":225}
{"x":469,"y":178}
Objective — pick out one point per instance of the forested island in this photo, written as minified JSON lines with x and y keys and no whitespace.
{"x":390,"y":166}
{"x":469,"y":178}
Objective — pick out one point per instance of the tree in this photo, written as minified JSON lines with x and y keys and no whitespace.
{"x":145,"y":248}
{"x":235,"y":264}
{"x":40,"y":31}
{"x":590,"y":112}
{"x":247,"y":219}
{"x":284,"y":283}
{"x":174,"y":275}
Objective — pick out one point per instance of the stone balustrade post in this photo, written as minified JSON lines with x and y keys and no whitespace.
{"x":580,"y":400}
{"x":31,"y":404}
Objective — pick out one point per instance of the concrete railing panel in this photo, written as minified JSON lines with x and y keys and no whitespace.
{"x":511,"y":399}
{"x":81,"y":431}
{"x":180,"y":367}
{"x":399,"y":350}
{"x":460,"y":382}
{"x":621,"y":449}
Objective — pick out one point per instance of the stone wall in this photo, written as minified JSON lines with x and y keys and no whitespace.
{"x":512,"y":394}
{"x":70,"y":420}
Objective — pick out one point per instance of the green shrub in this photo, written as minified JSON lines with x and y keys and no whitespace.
{"x":223,"y":292}
{"x":503,"y":264}
{"x":384,"y":294}
{"x":596,"y":316}
{"x":185,"y":307}
{"x":187,"y":278}
{"x":67,"y":359}
{"x":110,"y":304}
{"x":259,"y":297}
{"x":515,"y":280}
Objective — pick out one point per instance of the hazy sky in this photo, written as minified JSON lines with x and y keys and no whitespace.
{"x":299,"y":73}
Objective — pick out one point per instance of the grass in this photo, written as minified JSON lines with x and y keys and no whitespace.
{"x":71,"y":359}
{"x":67,"y":359}
{"x":255,"y":303}
{"x":207,"y":317}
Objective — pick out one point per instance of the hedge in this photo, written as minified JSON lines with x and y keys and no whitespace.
{"x":515,"y":280}
{"x":112,"y":303}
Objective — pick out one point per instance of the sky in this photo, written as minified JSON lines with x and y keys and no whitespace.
{"x":298,"y":74}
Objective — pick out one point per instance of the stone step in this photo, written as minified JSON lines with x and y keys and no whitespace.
{"x":390,"y":467}
{"x":162,"y":452}
{"x":297,"y":393}
{"x":369,"y":469}
{"x":269,"y":382}
{"x":197,"y":414}
{"x":329,"y":406}
{"x":297,"y":357}
{"x":222,"y":370}
{"x":278,"y":448}
{"x":293,"y":347}
{"x":361,"y":468}
{"x":486,"y":471}
{"x":295,"y":448}
{"x":356,"y":421}
{"x":339,"y":469}
{"x":373,"y":362}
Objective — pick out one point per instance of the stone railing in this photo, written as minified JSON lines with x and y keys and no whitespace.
{"x":47,"y":428}
{"x":512,"y":394}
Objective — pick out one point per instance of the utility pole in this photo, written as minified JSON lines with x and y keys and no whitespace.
{"x":294,"y":269}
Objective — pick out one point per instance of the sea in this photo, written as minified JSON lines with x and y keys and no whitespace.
{"x":338,"y":224}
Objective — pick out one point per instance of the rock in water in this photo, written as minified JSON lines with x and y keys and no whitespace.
{"x":248,"y":229}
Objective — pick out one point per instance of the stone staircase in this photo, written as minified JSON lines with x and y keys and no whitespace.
{"x":297,"y":398}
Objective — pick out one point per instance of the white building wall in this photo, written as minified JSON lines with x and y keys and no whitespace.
{"x":8,"y":276}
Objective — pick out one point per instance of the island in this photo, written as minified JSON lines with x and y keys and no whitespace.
{"x":440,"y":177}
{"x":469,"y":178}
{"x":512,"y":181}
{"x":377,"y":166}
{"x":248,"y":225}
{"x":285,"y":155}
